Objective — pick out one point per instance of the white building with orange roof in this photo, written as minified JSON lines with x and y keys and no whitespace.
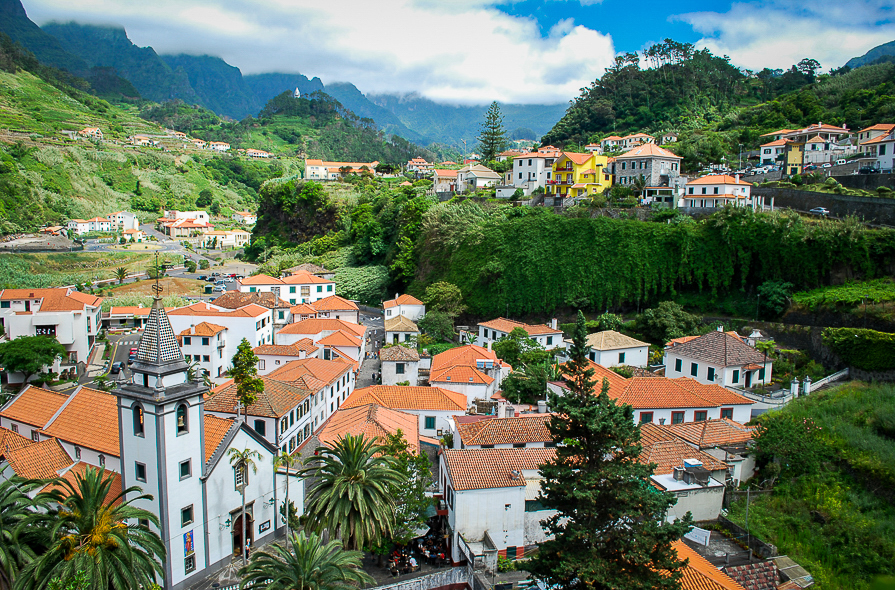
{"x":122,"y":220}
{"x":331,"y":381}
{"x":534,"y":169}
{"x":719,"y":358}
{"x":772,"y":150}
{"x":373,"y":422}
{"x":493,"y":330}
{"x":272,"y":356}
{"x":723,"y":439}
{"x":253,"y":153}
{"x":419,"y":165}
{"x":338,"y":308}
{"x":126,"y":316}
{"x":434,"y":407}
{"x":323,"y":170}
{"x":404,"y":305}
{"x":474,"y":177}
{"x":595,"y":148}
{"x":133,"y":235}
{"x":334,"y":337}
{"x":444,"y":181}
{"x":203,"y":346}
{"x":306,"y":287}
{"x":399,"y":364}
{"x":472,"y":370}
{"x":78,"y":226}
{"x":199,"y":144}
{"x":259,"y":284}
{"x":91,"y":132}
{"x":303,"y":311}
{"x":251,"y":322}
{"x":525,"y":431}
{"x":245,"y":217}
{"x":225,"y":239}
{"x":141,"y":140}
{"x":71,"y":317}
{"x":718,"y":190}
{"x":219,"y":146}
{"x":613,"y":143}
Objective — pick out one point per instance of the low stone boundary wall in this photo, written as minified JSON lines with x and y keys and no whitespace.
{"x":878,"y":210}
{"x":449,"y":579}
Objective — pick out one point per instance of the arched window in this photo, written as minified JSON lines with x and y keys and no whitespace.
{"x":138,"y":420}
{"x":182,"y":421}
{"x":102,"y":460}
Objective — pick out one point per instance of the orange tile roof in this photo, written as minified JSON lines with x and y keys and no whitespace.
{"x":648,"y":150}
{"x":90,"y":420}
{"x":460,"y":374}
{"x":505,"y":325}
{"x":260,"y":280}
{"x":79,"y":469}
{"x":41,"y":460}
{"x":879,"y":127}
{"x":237,"y":299}
{"x":54,"y":299}
{"x":521,"y":429}
{"x":778,"y":132}
{"x":215,"y":430}
{"x":464,"y":355}
{"x":34,"y":406}
{"x":305,"y":278}
{"x":327,"y":372}
{"x":303,"y":309}
{"x":482,"y":469}
{"x":718,"y":179}
{"x":668,"y":454}
{"x":400,"y":324}
{"x":712,"y":433}
{"x":10,"y":441}
{"x":713,"y":393}
{"x":276,"y":400}
{"x":333,"y":303}
{"x":204,"y":309}
{"x":318,"y":325}
{"x":305,"y":345}
{"x":700,"y":574}
{"x":579,"y":159}
{"x":340,"y":338}
{"x":403,"y":299}
{"x":776,"y":142}
{"x":372,"y":421}
{"x":203,"y":329}
{"x":407,"y":398}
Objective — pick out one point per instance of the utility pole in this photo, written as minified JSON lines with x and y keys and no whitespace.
{"x":740,"y":166}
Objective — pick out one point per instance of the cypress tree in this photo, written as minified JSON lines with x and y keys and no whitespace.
{"x":493,"y":137}
{"x":610,"y":530}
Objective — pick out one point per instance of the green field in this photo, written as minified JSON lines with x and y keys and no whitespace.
{"x":54,"y":270}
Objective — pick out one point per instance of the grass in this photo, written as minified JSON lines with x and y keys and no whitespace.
{"x":838,"y":521}
{"x":54,"y":270}
{"x":871,"y":299}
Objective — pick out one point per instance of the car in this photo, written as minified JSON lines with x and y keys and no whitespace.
{"x":228,"y":279}
{"x":811,"y":167}
{"x":827,"y":165}
{"x":822,"y":211}
{"x":116,"y":368}
{"x":219,"y":289}
{"x":202,"y":278}
{"x":210,"y":280}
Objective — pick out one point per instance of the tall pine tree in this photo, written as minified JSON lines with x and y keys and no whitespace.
{"x":493,"y":137}
{"x":610,"y":530}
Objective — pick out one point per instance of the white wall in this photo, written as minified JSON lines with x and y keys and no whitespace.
{"x":703,"y":503}
{"x":499,"y":511}
{"x":472,"y":391}
{"x":635,"y":356}
{"x":723,"y":375}
{"x":390,"y":376}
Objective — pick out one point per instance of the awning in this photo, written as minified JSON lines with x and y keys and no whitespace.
{"x":752,"y":367}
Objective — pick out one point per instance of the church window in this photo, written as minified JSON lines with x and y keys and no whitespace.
{"x":102,"y":460}
{"x":138,"y":420}
{"x":182,"y":422}
{"x":186,"y":469}
{"x":240,"y":476}
{"x":140,"y":471}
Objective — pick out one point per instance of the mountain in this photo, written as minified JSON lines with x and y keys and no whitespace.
{"x":267,"y":86}
{"x":354,"y":100}
{"x":218,"y":85}
{"x":108,"y":46}
{"x":14,"y":22}
{"x":880,"y":51}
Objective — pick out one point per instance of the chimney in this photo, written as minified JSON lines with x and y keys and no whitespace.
{"x":721,"y":328}
{"x":737,"y":178}
{"x":489,"y":345}
{"x":192,"y":328}
{"x":514,"y":474}
{"x":678,"y":473}
{"x":542,"y":406}
{"x":553,"y":323}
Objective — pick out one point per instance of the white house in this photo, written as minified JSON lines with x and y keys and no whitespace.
{"x":123,"y":220}
{"x":610,"y":348}
{"x":718,"y":358}
{"x":406,"y":305}
{"x":331,"y":381}
{"x":718,"y":190}
{"x":334,"y":337}
{"x":533,"y":170}
{"x":525,"y":431}
{"x":251,"y":322}
{"x":322,"y":170}
{"x":474,"y":177}
{"x":882,"y":148}
{"x":493,"y":330}
{"x":725,"y":440}
{"x":400,"y":329}
{"x":770,"y":151}
{"x":301,"y":287}
{"x":444,"y":181}
{"x":472,"y":370}
{"x":245,"y":217}
{"x":399,"y":364}
{"x":338,"y":308}
{"x":203,"y":344}
{"x":78,"y":226}
{"x":434,"y":407}
{"x":272,"y":356}
{"x":281,"y":311}
{"x":71,"y":317}
{"x":194,"y":215}
{"x":219,"y":146}
{"x":253,"y":153}
{"x":419,"y":165}
{"x":225,"y":239}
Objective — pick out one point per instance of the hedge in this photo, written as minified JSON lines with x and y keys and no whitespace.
{"x":863,"y":349}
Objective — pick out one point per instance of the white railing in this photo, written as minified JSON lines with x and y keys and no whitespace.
{"x":829,"y":379}
{"x":781,"y":400}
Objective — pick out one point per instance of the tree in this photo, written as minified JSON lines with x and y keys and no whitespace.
{"x":242,"y":461}
{"x":666,"y":321}
{"x":808,"y":67}
{"x":15,"y":507}
{"x":103,"y":383}
{"x":215,"y":208}
{"x":438,"y":325}
{"x":311,"y":565}
{"x":287,"y":461}
{"x":191,"y":266}
{"x":244,"y":371}
{"x":204,"y":264}
{"x":445,"y":297}
{"x":205,"y":198}
{"x":412,"y":503}
{"x":773,"y":298}
{"x":120,"y":274}
{"x":95,"y":533}
{"x":492,"y":136}
{"x":30,"y":355}
{"x":529,"y":384}
{"x":517,"y":348}
{"x":353,"y":494}
{"x":609,"y":531}
{"x":153,"y":273}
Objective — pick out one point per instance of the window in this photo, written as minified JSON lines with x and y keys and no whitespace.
{"x":700,"y":416}
{"x":882,"y":150}
{"x":678,"y":365}
{"x":241,"y":476}
{"x":549,"y":340}
{"x":329,"y":288}
{"x":646,"y":417}
{"x":15,"y":428}
{"x":677,"y":417}
{"x":34,"y":435}
{"x":736,"y":376}
{"x":182,"y":420}
{"x":78,"y":453}
{"x":281,"y":315}
{"x":186,"y":469}
{"x":186,"y":515}
{"x":260,"y":427}
{"x":205,"y":358}
{"x":144,"y":522}
{"x":710,"y":374}
{"x":694,"y":369}
{"x":189,"y":563}
{"x":284,"y":424}
{"x":261,"y":364}
{"x":292,"y":290}
{"x":138,"y":420}
{"x":399,"y":368}
{"x":187,"y":340}
{"x":140,"y":471}
{"x":704,"y":190}
{"x":205,"y":342}
{"x":621,"y":357}
{"x":716,"y":190}
{"x":320,"y":288}
{"x":430,"y":423}
{"x":727,"y":413}
{"x":761,"y":374}
{"x":102,"y":460}
{"x":291,"y":417}
{"x":4,"y":304}
{"x":690,"y":191}
{"x":520,"y":176}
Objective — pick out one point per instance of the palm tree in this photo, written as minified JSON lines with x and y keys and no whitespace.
{"x":352,"y":497}
{"x":311,"y":565}
{"x":15,"y":506}
{"x":120,"y":274}
{"x":242,"y":461}
{"x":288,"y":461}
{"x":90,"y":533}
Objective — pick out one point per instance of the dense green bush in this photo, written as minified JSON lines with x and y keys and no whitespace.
{"x":863,"y":349}
{"x":365,"y":284}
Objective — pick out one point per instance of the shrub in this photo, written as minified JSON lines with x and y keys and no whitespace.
{"x":861,"y":348}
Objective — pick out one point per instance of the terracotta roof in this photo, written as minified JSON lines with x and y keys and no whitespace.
{"x":612,"y":340}
{"x":718,"y":179}
{"x":879,"y":127}
{"x":776,"y":142}
{"x":505,"y":325}
{"x":720,"y":349}
{"x":403,"y":299}
{"x":340,"y":338}
{"x":648,"y":150}
{"x":205,"y":309}
{"x":460,"y":374}
{"x":89,"y":419}
{"x":616,"y":381}
{"x":714,"y":393}
{"x":203,"y":329}
{"x":215,"y":430}
{"x":275,"y":401}
{"x":482,"y":469}
{"x":72,"y":472}
{"x":464,"y":355}
{"x":41,"y":460}
{"x":668,"y":454}
{"x":333,"y":303}
{"x":446,"y":173}
{"x":372,"y":421}
{"x":34,"y":406}
{"x":260,"y":280}
{"x":303,"y":309}
{"x":700,"y":574}
{"x":305,"y":278}
{"x":54,"y":299}
{"x":778,"y":132}
{"x":579,"y":159}
{"x":10,"y":441}
{"x":237,"y":299}
{"x":398,"y":353}
{"x":407,"y":398}
{"x":522,"y":429}
{"x":400,"y":324}
{"x":761,"y":575}
{"x":318,"y":325}
{"x":323,"y":370}
{"x":305,"y":345}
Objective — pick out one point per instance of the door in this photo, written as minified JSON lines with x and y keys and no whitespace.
{"x":238,"y":544}
{"x":748,"y":379}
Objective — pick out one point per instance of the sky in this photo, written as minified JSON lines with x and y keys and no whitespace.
{"x":476,"y":51}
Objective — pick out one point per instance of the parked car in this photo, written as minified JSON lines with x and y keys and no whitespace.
{"x":827,"y":165}
{"x":219,"y":289}
{"x":203,"y":277}
{"x":810,"y":167}
{"x":210,"y":280}
{"x":116,"y":368}
{"x":822,"y":211}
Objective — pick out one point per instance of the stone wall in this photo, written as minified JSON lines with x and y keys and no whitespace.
{"x":871,"y":209}
{"x":449,"y":579}
{"x":867,"y":182}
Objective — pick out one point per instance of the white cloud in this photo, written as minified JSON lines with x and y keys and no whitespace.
{"x":779,"y":33}
{"x":464,"y":52}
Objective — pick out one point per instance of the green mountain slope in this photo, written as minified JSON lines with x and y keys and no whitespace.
{"x":267,"y":86}
{"x":218,"y":85}
{"x":880,"y":51}
{"x":354,"y":100}
{"x":14,"y":22}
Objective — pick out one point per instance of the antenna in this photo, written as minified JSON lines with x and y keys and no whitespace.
{"x":156,"y":288}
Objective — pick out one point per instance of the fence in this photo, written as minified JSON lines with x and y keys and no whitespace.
{"x":809,"y":387}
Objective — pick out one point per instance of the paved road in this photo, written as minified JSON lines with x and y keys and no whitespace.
{"x":370,"y":366}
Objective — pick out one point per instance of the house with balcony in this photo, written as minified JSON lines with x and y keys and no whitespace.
{"x":445,"y":181}
{"x":817,"y":144}
{"x":301,"y":287}
{"x":245,"y":217}
{"x":533,"y":170}
{"x":91,"y":132}
{"x":251,"y":322}
{"x":658,"y":166}
{"x":717,"y":190}
{"x":578,"y":175}
{"x":321,"y":170}
{"x":771,"y":152}
{"x":419,"y":166}
{"x":547,"y":336}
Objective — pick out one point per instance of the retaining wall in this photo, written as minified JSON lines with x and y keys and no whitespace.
{"x":871,"y":209}
{"x":454,"y":578}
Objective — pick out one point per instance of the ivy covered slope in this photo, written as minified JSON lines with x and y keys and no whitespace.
{"x":525,"y":260}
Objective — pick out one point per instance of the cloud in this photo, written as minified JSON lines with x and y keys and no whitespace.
{"x":464,"y":52}
{"x":779,"y":33}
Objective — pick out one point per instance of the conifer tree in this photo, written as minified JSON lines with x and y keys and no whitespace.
{"x":610,"y":530}
{"x":244,"y":370}
{"x":493,"y":136}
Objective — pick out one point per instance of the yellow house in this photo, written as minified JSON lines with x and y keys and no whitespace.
{"x":795,"y":157}
{"x":578,"y":175}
